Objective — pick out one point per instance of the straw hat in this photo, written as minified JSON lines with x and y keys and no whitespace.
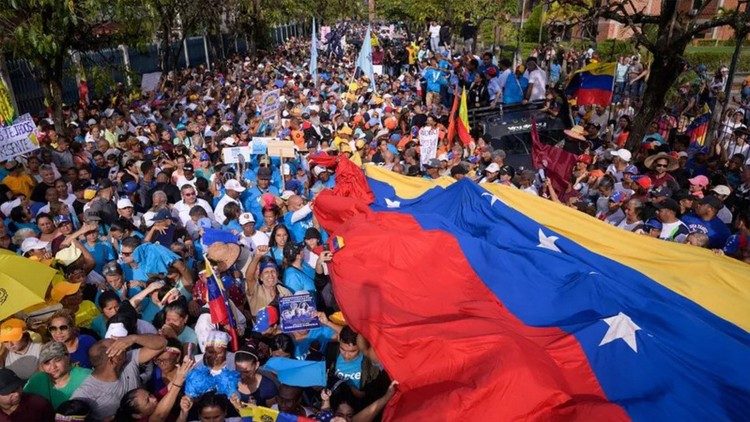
{"x":577,"y":132}
{"x":672,"y":163}
{"x":224,"y":254}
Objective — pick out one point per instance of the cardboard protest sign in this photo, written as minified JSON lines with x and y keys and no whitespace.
{"x":428,"y":142}
{"x":269,"y":104}
{"x":284,"y":149}
{"x":18,"y":138}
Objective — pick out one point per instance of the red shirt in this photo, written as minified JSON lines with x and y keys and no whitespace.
{"x":31,"y":404}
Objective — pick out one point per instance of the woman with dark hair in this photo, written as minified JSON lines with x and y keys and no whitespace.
{"x":47,"y":227}
{"x":622,"y":131}
{"x":253,"y":387}
{"x":267,"y":288}
{"x":62,"y":328}
{"x":282,"y":345}
{"x":165,"y":370}
{"x":140,"y":405}
{"x":298,"y":275}
{"x":276,"y":243}
{"x":271,"y":215}
{"x":232,"y":213}
{"x":210,"y":406}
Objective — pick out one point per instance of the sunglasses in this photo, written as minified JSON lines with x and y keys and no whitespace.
{"x":126,"y":253}
{"x":661,"y":165}
{"x":189,"y":193}
{"x":55,"y":328}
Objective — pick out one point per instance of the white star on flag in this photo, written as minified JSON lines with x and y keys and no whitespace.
{"x":547,"y":242}
{"x":493,"y":198}
{"x":621,"y":327}
{"x":392,"y":204}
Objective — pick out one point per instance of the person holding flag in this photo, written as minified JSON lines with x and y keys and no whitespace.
{"x":218,"y":311}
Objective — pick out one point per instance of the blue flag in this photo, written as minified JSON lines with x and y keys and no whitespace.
{"x":298,"y":373}
{"x":314,"y":54}
{"x":364,"y":60}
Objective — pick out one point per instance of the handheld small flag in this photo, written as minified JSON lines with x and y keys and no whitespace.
{"x":218,"y":305}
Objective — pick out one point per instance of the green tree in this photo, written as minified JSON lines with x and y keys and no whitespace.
{"x":665,"y":36}
{"x":45,"y":32}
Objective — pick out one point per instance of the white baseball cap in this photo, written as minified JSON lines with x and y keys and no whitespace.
{"x":32,"y":244}
{"x":722,"y":190}
{"x":245,"y":218}
{"x":493,"y":168}
{"x":287,"y":194}
{"x":124,"y":203}
{"x":624,"y":154}
{"x":319,"y":169}
{"x":233,"y":184}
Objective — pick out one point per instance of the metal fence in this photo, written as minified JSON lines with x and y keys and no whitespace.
{"x":113,"y":64}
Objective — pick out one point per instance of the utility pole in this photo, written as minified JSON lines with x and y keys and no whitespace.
{"x":371,"y":10}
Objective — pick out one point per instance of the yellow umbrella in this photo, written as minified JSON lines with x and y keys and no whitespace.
{"x":23,"y":283}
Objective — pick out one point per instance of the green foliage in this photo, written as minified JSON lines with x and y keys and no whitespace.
{"x":714,"y":59}
{"x":532,"y":25}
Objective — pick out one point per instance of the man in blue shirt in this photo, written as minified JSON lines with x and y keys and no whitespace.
{"x":252,"y":197}
{"x":704,"y":220}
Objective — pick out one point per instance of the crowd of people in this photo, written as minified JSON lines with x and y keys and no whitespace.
{"x":121,"y":197}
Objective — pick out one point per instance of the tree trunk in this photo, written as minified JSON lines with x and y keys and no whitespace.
{"x":53,"y":93}
{"x":662,"y":73}
{"x":165,"y":50}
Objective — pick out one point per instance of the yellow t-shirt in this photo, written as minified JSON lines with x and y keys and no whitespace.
{"x":412,"y":50}
{"x":22,"y":184}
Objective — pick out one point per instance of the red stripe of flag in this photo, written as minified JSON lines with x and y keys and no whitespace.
{"x":457,"y":352}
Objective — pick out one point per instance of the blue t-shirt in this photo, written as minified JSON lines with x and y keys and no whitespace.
{"x":233,"y":225}
{"x":102,"y":253}
{"x":99,"y":325}
{"x":350,"y":371}
{"x":188,"y":336}
{"x":81,"y":355}
{"x":322,"y":335}
{"x":297,"y":280}
{"x":129,"y":273}
{"x":514,"y":89}
{"x":298,"y":228}
{"x":715,"y":229}
{"x":149,"y":310}
{"x":554,"y":72}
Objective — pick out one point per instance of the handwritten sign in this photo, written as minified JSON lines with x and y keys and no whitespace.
{"x":298,"y":312}
{"x":269,"y":104}
{"x":18,"y":138}
{"x":428,"y":142}
{"x":284,"y":149}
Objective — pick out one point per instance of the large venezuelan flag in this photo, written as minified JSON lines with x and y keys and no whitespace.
{"x":487,"y":303}
{"x":593,"y":84}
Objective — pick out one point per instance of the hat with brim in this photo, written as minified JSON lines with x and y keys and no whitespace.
{"x":9,"y":382}
{"x":224,"y":254}
{"x":52,"y":350}
{"x":68,"y":255}
{"x":62,"y":289}
{"x":672,"y":163}
{"x":12,"y":329}
{"x":577,"y":132}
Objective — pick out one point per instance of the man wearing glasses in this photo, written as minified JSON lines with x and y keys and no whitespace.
{"x":188,"y":201}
